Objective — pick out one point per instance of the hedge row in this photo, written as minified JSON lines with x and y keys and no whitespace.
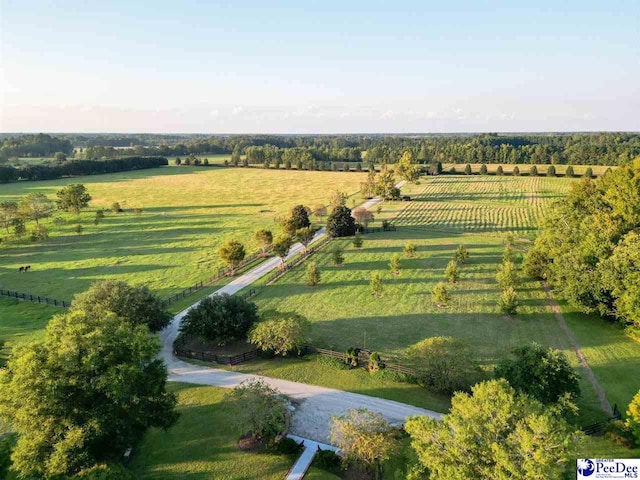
{"x":78,"y":167}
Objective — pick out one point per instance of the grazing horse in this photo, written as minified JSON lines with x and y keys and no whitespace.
{"x":28,"y":267}
{"x":21,"y":269}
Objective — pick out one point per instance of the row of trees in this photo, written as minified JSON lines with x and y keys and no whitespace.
{"x":79,"y":398}
{"x":589,"y":246}
{"x":40,"y":145}
{"x":73,"y":168}
{"x":507,"y":278}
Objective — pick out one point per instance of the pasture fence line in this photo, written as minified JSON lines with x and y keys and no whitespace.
{"x":388,"y":228}
{"x":281,"y":272}
{"x":212,"y":357}
{"x":221,"y":273}
{"x":29,"y":297}
{"x":599,"y":428}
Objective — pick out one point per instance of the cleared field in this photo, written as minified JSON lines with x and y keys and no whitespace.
{"x":187,"y":213}
{"x":482,"y":204}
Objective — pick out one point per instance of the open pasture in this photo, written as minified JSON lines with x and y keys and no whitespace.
{"x":187,"y":213}
{"x":482,"y":204}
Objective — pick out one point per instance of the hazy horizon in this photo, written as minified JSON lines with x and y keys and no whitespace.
{"x":322,"y":67}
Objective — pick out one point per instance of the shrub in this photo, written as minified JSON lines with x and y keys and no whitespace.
{"x":232,"y":253}
{"x":409,"y":250}
{"x":543,"y":373}
{"x":375,"y":362}
{"x":467,"y":169}
{"x":588,"y":173}
{"x":394,"y":264}
{"x":551,"y":171}
{"x":137,"y":305}
{"x":440,"y":294}
{"x":351,"y":357}
{"x":78,"y":229}
{"x":264,"y":238}
{"x":105,"y":472}
{"x":499,"y":171}
{"x":569,"y":172}
{"x":18,"y":227}
{"x":39,"y":232}
{"x":444,"y":364}
{"x":516,"y":171}
{"x":452,"y":272}
{"x":462,"y":254}
{"x":206,"y":162}
{"x":533,"y":171}
{"x":287,"y":446}
{"x":99,"y":217}
{"x":386,"y":224}
{"x":264,"y":410}
{"x":508,"y":302}
{"x":535,"y":263}
{"x":357,"y":240}
{"x":507,"y":275}
{"x":633,"y":416}
{"x":327,"y":460}
{"x":312,"y":274}
{"x":332,"y":362}
{"x":376,"y":284}
{"x":115,"y":207}
{"x":483,"y":169}
{"x":177,"y":161}
{"x":220,"y":318}
{"x":340,"y":223}
{"x":280,"y":333}
{"x":619,"y":433}
{"x":337,"y":257}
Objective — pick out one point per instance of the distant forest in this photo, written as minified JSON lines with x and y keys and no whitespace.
{"x":548,"y":148}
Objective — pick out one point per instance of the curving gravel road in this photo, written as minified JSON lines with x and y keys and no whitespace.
{"x":314,"y":405}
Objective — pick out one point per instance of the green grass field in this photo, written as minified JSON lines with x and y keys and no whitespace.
{"x":482,"y":204}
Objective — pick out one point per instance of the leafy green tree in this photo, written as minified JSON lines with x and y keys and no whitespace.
{"x":508,"y":301}
{"x":319,"y":211}
{"x":337,"y":257}
{"x":551,"y":171}
{"x":5,"y":455}
{"x":409,"y":250}
{"x":483,"y":169}
{"x":300,"y":217}
{"x":232,"y":253}
{"x":569,"y":172}
{"x":137,"y":305}
{"x":621,"y":276}
{"x":364,"y":437}
{"x":533,"y":171}
{"x":462,"y":254}
{"x":368,"y":188}
{"x":73,"y":198}
{"x":99,"y":217}
{"x":220,"y":318}
{"x":19,"y":228}
{"x":452,"y":272}
{"x":35,"y":206}
{"x":444,"y":364}
{"x":406,"y":168}
{"x":588,"y":173}
{"x":312,"y":274}
{"x":507,"y":275}
{"x":282,"y":334}
{"x":338,"y":199}
{"x":357,"y":240}
{"x":385,"y":185}
{"x":178,"y":161}
{"x":495,"y":434}
{"x":40,"y":232}
{"x":264,"y":410}
{"x":516,"y":171}
{"x":84,"y":394}
{"x":340,"y":223}
{"x":500,"y":171}
{"x":264,"y":239}
{"x":543,"y":373}
{"x":633,"y":416}
{"x":8,"y":214}
{"x":281,"y":246}
{"x":362,"y":216}
{"x":467,"y":169}
{"x":376,"y":284}
{"x":394,"y":264}
{"x":59,"y":156}
{"x":304,"y":236}
{"x":440,"y":294}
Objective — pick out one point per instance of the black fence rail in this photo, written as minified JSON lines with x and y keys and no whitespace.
{"x":282,"y":270}
{"x":363,"y":359}
{"x":212,"y":357}
{"x":29,"y":297}
{"x":599,"y":428}
{"x":388,"y":228}
{"x":221,"y":273}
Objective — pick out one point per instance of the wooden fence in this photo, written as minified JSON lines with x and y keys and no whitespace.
{"x":365,"y":230}
{"x":323,"y":242}
{"x":222,"y":272}
{"x":598,"y":428}
{"x":29,"y":297}
{"x":363,"y":359}
{"x":219,"y":359}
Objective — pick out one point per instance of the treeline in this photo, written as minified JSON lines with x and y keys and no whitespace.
{"x":78,"y":167}
{"x":39,"y":145}
{"x":536,"y":149}
{"x":589,"y":246}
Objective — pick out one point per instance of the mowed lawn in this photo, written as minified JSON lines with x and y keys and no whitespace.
{"x":188,"y":213}
{"x":344,"y":313}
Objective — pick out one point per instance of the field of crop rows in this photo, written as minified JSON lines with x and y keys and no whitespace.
{"x":483,"y":203}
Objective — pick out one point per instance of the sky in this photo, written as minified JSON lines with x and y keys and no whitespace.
{"x":319,"y":66}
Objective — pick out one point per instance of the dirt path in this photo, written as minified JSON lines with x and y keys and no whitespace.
{"x":600,"y":393}
{"x":314,"y":405}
